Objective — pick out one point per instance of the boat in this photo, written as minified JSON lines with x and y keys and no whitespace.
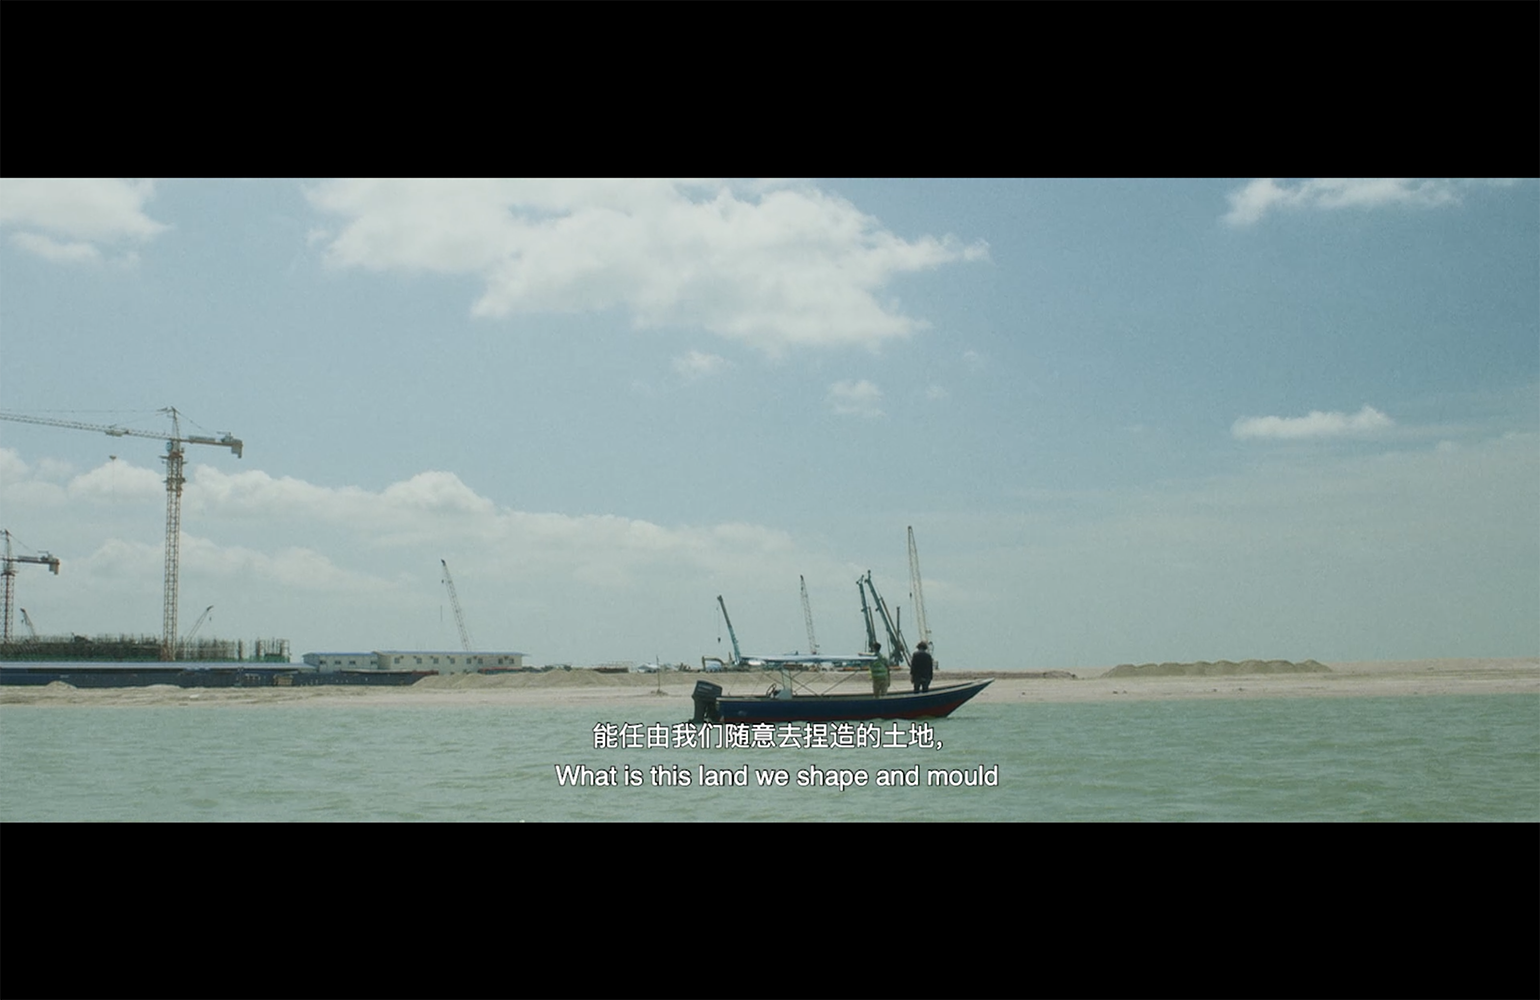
{"x":781,"y":705}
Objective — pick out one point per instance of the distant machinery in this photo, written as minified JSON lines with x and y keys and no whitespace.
{"x":737,"y":654}
{"x":898,"y":648}
{"x":807,"y":615}
{"x":9,"y":572}
{"x":26,"y":620}
{"x":174,"y":481}
{"x":917,"y":593}
{"x":454,"y":601}
{"x":193,"y":632}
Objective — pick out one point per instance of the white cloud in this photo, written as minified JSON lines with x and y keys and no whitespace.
{"x":12,"y":467}
{"x":1366,"y":421}
{"x":55,"y":470}
{"x":118,"y":559}
{"x":862,"y":399}
{"x":774,"y":267}
{"x":936,"y":392}
{"x":696,"y":365}
{"x":59,"y":253}
{"x":78,"y":214}
{"x":293,"y":567}
{"x":436,"y":492}
{"x":1249,"y":204}
{"x":116,"y":481}
{"x":437,"y":508}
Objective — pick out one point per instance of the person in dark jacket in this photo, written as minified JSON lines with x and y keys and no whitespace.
{"x":921,"y":667}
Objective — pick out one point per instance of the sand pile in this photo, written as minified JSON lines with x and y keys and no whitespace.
{"x":1221,"y":668}
{"x":548,"y":679}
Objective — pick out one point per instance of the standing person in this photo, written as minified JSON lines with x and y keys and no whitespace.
{"x":879,"y":671}
{"x":921,"y":666}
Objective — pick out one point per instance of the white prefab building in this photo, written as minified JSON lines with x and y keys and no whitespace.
{"x":329,"y":662}
{"x":444,"y":661}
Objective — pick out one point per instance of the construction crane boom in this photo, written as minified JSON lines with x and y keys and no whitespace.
{"x":737,"y":654}
{"x":224,"y":441}
{"x":9,"y":573}
{"x":26,"y":620}
{"x":187,"y":639}
{"x":866,"y":615}
{"x":918,"y":594}
{"x":174,"y":482}
{"x":807,"y":615}
{"x":454,"y":602}
{"x":898,"y":649}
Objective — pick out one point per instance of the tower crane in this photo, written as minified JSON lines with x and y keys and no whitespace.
{"x":454,"y":601}
{"x":174,"y":481}
{"x":917,"y":593}
{"x":9,"y":573}
{"x":807,"y":615}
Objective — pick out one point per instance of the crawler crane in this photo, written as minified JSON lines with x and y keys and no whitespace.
{"x":454,"y":601}
{"x":807,"y":615}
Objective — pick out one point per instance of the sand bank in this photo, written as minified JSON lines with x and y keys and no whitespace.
{"x":667,"y":695}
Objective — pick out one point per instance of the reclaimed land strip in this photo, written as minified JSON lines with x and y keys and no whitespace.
{"x":636,"y":697}
{"x":1219,"y":668}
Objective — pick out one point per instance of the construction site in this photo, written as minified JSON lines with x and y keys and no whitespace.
{"x":171,"y":645}
{"x":140,"y":648}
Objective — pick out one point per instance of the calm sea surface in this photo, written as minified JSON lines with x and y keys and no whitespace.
{"x":1419,"y":758}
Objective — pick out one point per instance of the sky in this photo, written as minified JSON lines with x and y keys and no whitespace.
{"x":1127,"y":420}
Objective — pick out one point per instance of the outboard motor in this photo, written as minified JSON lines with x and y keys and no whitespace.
{"x":705,"y":698}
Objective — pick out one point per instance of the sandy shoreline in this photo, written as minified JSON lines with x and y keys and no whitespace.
{"x":669,"y":693}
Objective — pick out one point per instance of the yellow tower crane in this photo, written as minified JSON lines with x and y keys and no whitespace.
{"x":9,"y":573}
{"x":173,"y":459}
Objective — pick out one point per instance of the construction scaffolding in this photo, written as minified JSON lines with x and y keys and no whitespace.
{"x":135,"y":648}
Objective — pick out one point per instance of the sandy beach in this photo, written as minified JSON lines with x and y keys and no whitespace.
{"x":668,"y":693}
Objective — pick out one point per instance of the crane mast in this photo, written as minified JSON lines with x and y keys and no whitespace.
{"x":9,"y":573}
{"x":174,"y":482}
{"x":807,"y":615}
{"x":454,"y":602}
{"x":917,"y":592}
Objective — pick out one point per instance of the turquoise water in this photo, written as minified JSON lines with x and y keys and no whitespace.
{"x":1419,"y":758}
